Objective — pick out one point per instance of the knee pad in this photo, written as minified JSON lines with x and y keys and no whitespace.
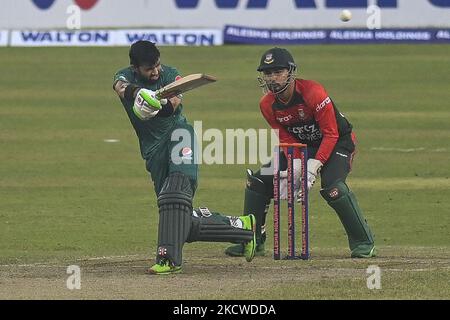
{"x":177,"y":189}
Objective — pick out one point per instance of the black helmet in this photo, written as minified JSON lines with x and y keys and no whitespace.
{"x":277,"y":58}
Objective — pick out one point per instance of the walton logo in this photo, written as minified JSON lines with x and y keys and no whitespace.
{"x":83,"y":4}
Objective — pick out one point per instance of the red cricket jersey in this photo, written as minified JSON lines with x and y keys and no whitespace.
{"x":310,"y":117}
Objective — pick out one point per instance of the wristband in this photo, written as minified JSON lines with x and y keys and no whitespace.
{"x":166,"y":110}
{"x":129,"y":92}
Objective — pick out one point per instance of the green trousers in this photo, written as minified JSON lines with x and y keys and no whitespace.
{"x":178,"y":155}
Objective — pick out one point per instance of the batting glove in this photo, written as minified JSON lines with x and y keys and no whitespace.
{"x":146,"y":106}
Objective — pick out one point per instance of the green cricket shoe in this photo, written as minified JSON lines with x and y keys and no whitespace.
{"x":249,"y":223}
{"x":238,"y":250}
{"x":164,"y":267}
{"x":364,"y":251}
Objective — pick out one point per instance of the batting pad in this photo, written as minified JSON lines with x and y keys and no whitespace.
{"x":175,"y":209}
{"x":217,"y":229}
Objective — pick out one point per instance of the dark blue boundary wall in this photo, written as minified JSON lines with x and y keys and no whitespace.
{"x":245,"y":35}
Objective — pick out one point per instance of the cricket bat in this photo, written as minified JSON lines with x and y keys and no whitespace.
{"x":184,"y":84}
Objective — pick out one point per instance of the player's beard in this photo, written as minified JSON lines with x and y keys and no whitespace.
{"x":152,"y":79}
{"x":275,"y":87}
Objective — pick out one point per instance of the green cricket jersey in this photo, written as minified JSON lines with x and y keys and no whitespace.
{"x":156,"y":131}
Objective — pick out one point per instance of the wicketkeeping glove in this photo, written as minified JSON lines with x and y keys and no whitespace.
{"x":297,"y":179}
{"x":146,"y":106}
{"x":314,"y":167}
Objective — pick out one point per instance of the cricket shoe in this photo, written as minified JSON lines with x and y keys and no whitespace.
{"x":164,"y":267}
{"x":249,"y":223}
{"x":364,"y":251}
{"x":238,"y":249}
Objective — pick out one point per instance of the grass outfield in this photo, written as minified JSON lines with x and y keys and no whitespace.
{"x":68,"y":197}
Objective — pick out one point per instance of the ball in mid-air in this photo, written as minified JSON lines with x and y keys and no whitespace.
{"x":346,"y":15}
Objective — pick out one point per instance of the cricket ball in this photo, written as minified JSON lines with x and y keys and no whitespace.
{"x":346,"y":15}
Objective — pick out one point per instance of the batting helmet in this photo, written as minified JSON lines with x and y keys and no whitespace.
{"x":277,"y":58}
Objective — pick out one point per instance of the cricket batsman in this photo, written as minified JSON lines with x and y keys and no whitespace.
{"x":174,"y":172}
{"x":303,"y":112}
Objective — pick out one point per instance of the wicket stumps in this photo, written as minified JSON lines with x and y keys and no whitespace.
{"x":291,"y":254}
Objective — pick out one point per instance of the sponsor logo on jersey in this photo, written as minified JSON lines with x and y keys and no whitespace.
{"x":307,"y":132}
{"x":285,"y":118}
{"x":307,"y":128}
{"x":301,"y":114}
{"x":186,"y":153}
{"x":321,"y":105}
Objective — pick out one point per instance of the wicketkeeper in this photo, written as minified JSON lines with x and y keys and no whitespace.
{"x":174,"y":172}
{"x":303,"y":112}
